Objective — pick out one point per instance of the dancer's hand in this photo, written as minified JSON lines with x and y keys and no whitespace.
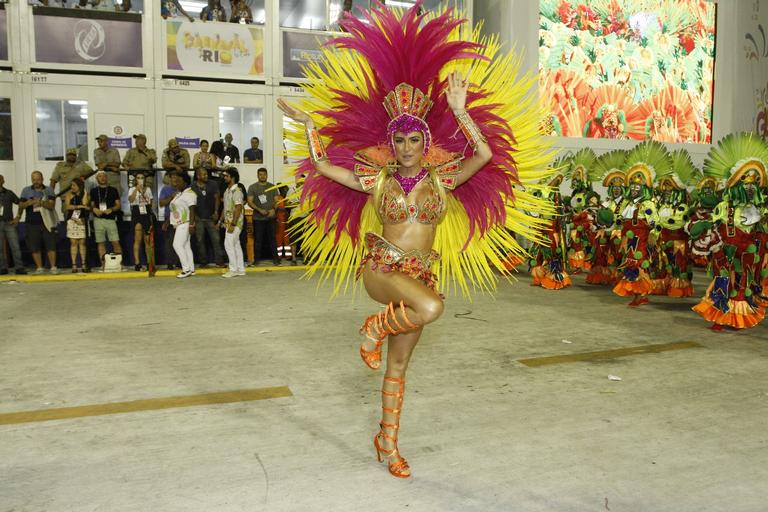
{"x":297,"y":115}
{"x":456,"y":94}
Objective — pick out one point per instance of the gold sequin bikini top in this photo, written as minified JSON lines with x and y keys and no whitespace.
{"x":394,"y":207}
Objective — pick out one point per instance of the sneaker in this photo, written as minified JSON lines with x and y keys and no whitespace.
{"x":39,"y":271}
{"x":240,"y":273}
{"x":229,"y":274}
{"x":54,"y":270}
{"x":21,"y":271}
{"x":3,"y":271}
{"x":184,"y":274}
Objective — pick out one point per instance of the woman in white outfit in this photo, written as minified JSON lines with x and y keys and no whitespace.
{"x":183,"y":220}
{"x":232,"y":220}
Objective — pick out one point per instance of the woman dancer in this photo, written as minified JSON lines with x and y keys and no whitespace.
{"x":412,"y":181}
{"x":396,"y":271}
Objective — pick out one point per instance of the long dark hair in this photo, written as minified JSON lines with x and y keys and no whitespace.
{"x":217,"y":148}
{"x":80,"y":186}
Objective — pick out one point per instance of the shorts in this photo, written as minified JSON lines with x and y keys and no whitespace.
{"x":38,"y":236}
{"x":137,"y":218}
{"x":387,"y":257}
{"x":105,"y":229}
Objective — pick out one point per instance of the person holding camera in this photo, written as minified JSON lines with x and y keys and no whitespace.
{"x":140,"y":198}
{"x":175,"y":158}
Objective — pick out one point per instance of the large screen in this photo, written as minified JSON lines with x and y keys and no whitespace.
{"x":628,"y":69}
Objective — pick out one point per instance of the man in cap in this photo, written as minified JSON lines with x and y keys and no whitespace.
{"x":66,"y":171}
{"x":107,"y":159}
{"x":175,"y":158}
{"x":141,"y":158}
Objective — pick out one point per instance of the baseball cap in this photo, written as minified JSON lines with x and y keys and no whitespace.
{"x":101,"y":137}
{"x":140,"y":136}
{"x":72,"y":151}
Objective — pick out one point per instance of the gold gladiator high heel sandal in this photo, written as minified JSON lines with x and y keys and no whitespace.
{"x":379,"y":326}
{"x":398,"y":466}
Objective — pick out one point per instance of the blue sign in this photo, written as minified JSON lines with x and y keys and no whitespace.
{"x":120,"y":142}
{"x":188,"y":143}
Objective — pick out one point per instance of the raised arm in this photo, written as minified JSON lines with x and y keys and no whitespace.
{"x":317,"y":151}
{"x":456,"y":95}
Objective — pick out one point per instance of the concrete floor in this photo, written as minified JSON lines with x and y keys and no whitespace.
{"x":683,"y":431}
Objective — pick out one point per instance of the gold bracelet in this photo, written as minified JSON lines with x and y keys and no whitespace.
{"x":469,"y":128}
{"x":316,"y":149}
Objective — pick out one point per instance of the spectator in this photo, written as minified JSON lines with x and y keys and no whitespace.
{"x":296,"y":216}
{"x":241,"y":12}
{"x":8,"y":223}
{"x":104,"y":202}
{"x":40,"y":224}
{"x":232,"y":220}
{"x":217,"y":150}
{"x":175,"y":158}
{"x":66,"y":171}
{"x":213,"y":11}
{"x":140,"y":198}
{"x":208,"y":205}
{"x":253,"y":155}
{"x":76,"y":213}
{"x":172,"y":9}
{"x":282,"y":214}
{"x":108,"y":159}
{"x":231,"y":150}
{"x":183,"y":220}
{"x":166,"y":195}
{"x":141,"y":158}
{"x":203,"y":159}
{"x":82,"y":152}
{"x":261,"y":197}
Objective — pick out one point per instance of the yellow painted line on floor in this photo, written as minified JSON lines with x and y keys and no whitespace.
{"x":152,"y":404}
{"x":608,"y":354}
{"x":131,"y":274}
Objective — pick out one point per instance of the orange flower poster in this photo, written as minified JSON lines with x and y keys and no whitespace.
{"x":628,"y":69}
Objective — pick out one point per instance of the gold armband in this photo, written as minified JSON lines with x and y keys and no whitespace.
{"x":316,"y":149}
{"x":469,"y":128}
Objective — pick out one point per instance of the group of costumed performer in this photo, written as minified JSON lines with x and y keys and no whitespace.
{"x":736,"y":296}
{"x":414,"y":176}
{"x":548,"y":258}
{"x":582,"y":210}
{"x":651,"y":231}
{"x":639,"y":219}
{"x":671,"y":274}
{"x":608,"y":169}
